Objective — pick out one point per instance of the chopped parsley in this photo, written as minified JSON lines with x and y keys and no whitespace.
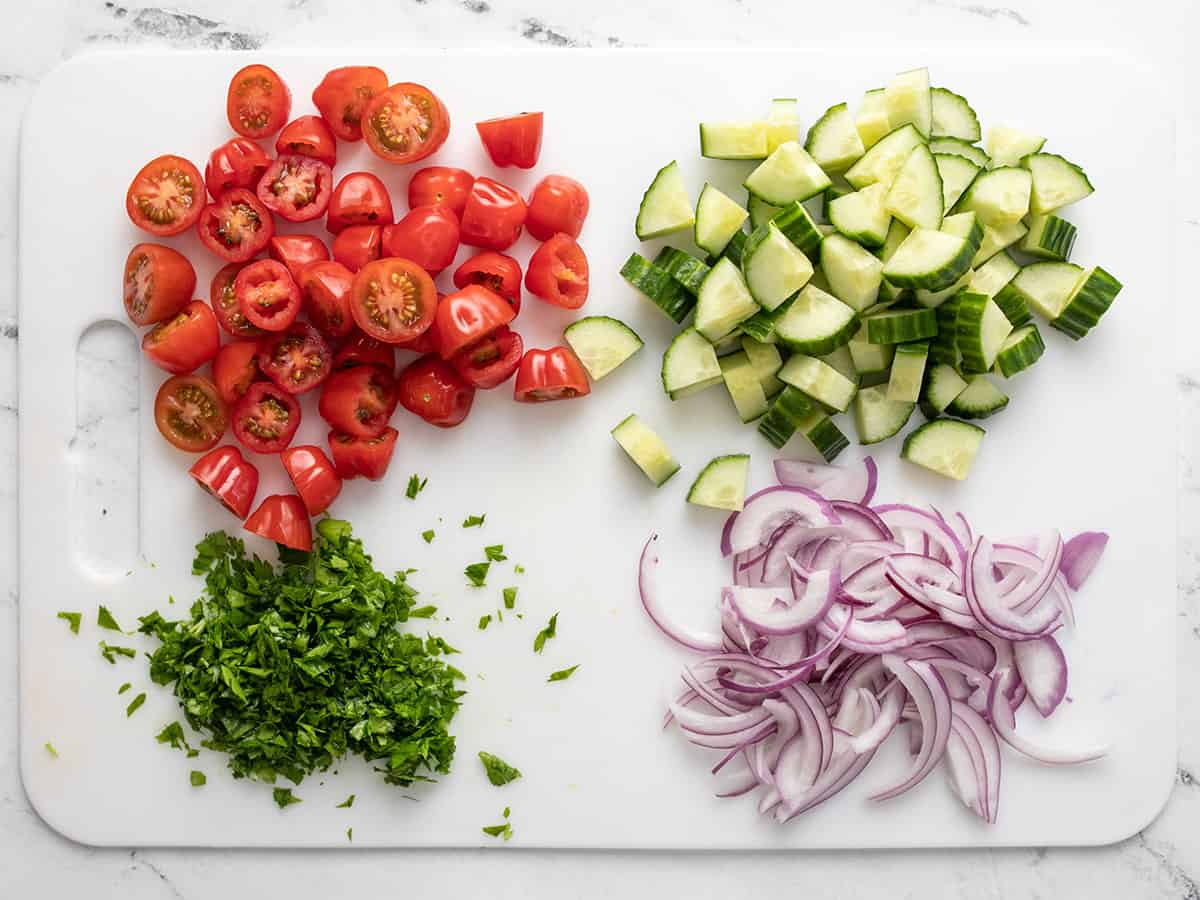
{"x":422,"y":612}
{"x":135,"y":704}
{"x":284,"y":797}
{"x":173,"y":735}
{"x":546,"y":634}
{"x":50,"y":749}
{"x":505,"y":813}
{"x":72,"y":619}
{"x":105,"y":620}
{"x":485,"y":621}
{"x":477,"y":573}
{"x":110,"y":652}
{"x":473,"y":521}
{"x":123,"y":688}
{"x":504,"y":831}
{"x":199,"y":779}
{"x":350,"y":834}
{"x":510,"y":597}
{"x":562,"y":674}
{"x":519,"y":569}
{"x":427,"y":536}
{"x":347,"y":803}
{"x":498,"y":771}
{"x":416,"y":484}
{"x":495,"y":553}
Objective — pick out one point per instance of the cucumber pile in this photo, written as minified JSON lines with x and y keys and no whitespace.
{"x":885,"y":262}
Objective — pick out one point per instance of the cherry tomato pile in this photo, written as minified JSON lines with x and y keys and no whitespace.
{"x":302,"y":312}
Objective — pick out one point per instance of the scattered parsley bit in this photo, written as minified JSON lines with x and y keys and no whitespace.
{"x":477,"y":573}
{"x":504,"y":831}
{"x":72,"y":619}
{"x":135,"y":704}
{"x":123,"y":688}
{"x":173,"y":735}
{"x":110,"y":653}
{"x":510,"y":597}
{"x":485,"y":621}
{"x":422,"y":612}
{"x":347,"y":803}
{"x":498,"y":771}
{"x":350,"y":834}
{"x":495,"y":553}
{"x":284,"y":797}
{"x":416,"y":484}
{"x":519,"y":569}
{"x":499,"y":615}
{"x":50,"y":749}
{"x":428,"y":536}
{"x":505,"y":813}
{"x":473,"y":521}
{"x":199,"y":779}
{"x":545,"y":634}
{"x":105,"y":620}
{"x":562,"y":674}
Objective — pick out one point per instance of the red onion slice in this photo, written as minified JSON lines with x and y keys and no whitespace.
{"x":928,"y":691}
{"x":775,"y":611}
{"x":1043,"y":671}
{"x":650,"y":602}
{"x":1005,"y":723}
{"x":1080,"y":556}
{"x":766,"y":510}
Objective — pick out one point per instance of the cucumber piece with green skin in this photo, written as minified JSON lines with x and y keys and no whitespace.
{"x":818,"y":380}
{"x":928,"y":259}
{"x":602,"y":343}
{"x":833,"y":141}
{"x":1088,"y":301}
{"x":966,"y":226}
{"x":884,"y":160}
{"x":646,"y":449}
{"x":665,"y":206}
{"x":1007,"y":146}
{"x":761,"y":212}
{"x":841,"y":360}
{"x":908,"y":101}
{"x":722,"y":483}
{"x":731,"y":343}
{"x":957,"y":173}
{"x":838,"y":187}
{"x":733,"y":140}
{"x":945,"y":446}
{"x":982,"y":330}
{"x":822,"y":432}
{"x":861,"y":216}
{"x":943,"y":349}
{"x":724,"y":300}
{"x":978,"y":400}
{"x":744,"y":386}
{"x":799,"y":228}
{"x":915,"y":196}
{"x":997,"y":238}
{"x":733,"y":250}
{"x":816,"y":323}
{"x":942,"y":385}
{"x":1020,"y":350}
{"x":767,"y":361}
{"x":689,"y":365}
{"x":717,"y":218}
{"x":1049,"y":237}
{"x":998,"y":196}
{"x":773,"y":266}
{"x":657,"y":285}
{"x":1057,"y":182}
{"x":896,"y":233}
{"x":787,"y":175}
{"x":871,"y":121}
{"x":870,"y":359}
{"x":934,"y":299}
{"x":961,"y":148}
{"x":952,"y":116}
{"x":993,"y":275}
{"x":899,"y":326}
{"x":854,"y":274}
{"x":1013,"y":304}
{"x":683,"y":267}
{"x":783,"y":122}
{"x":1045,"y":286}
{"x":792,"y":411}
{"x":876,"y":418}
{"x":908,"y":371}
{"x":761,"y":325}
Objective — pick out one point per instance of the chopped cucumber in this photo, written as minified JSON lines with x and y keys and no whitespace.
{"x":799,"y":228}
{"x":860,"y":215}
{"x":957,"y":173}
{"x":978,"y":400}
{"x":933,"y":299}
{"x":783,"y":122}
{"x":871,"y":123}
{"x":944,"y":347}
{"x":966,"y":226}
{"x":993,"y":275}
{"x":1045,"y":286}
{"x":724,"y":300}
{"x":665,"y":205}
{"x":722,"y":483}
{"x":1088,"y":301}
{"x":854,"y":274}
{"x":787,"y":175}
{"x":689,"y":365}
{"x":744,"y":386}
{"x":841,"y":360}
{"x":908,"y":100}
{"x":1007,"y":146}
{"x":1049,"y":237}
{"x":683,"y":267}
{"x":838,"y":187}
{"x":876,"y":418}
{"x":870,"y":359}
{"x":816,"y":323}
{"x":960,"y":148}
{"x":908,"y":371}
{"x":952,"y":116}
{"x":767,"y":362}
{"x":819,"y":380}
{"x":731,"y":343}
{"x":884,"y":160}
{"x":733,"y":250}
{"x":733,"y":140}
{"x":717,"y":218}
{"x":998,"y":196}
{"x":944,"y":446}
{"x":761,"y":212}
{"x":646,"y":449}
{"x":897,"y":232}
{"x":942,"y":386}
{"x":789,"y":408}
{"x":899,"y":326}
{"x":928,"y":259}
{"x":982,"y":330}
{"x":1057,"y":182}
{"x":997,"y":238}
{"x":658,"y":286}
{"x":833,"y":141}
{"x":915,"y":197}
{"x":774,"y":267}
{"x":602,"y":343}
{"x":1020,"y":350}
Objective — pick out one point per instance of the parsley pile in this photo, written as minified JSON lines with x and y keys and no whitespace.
{"x":288,"y":669}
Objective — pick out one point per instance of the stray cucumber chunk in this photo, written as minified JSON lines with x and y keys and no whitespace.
{"x":665,"y":205}
{"x":646,"y":449}
{"x":602,"y":343}
{"x":876,"y":418}
{"x":945,"y":446}
{"x":722,"y":483}
{"x":733,"y":140}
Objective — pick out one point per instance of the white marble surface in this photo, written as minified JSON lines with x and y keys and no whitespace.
{"x":1162,"y":861}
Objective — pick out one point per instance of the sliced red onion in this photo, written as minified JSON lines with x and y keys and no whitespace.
{"x":768,"y":509}
{"x":805,"y":474}
{"x":1080,"y":556}
{"x":1005,"y":723}
{"x":775,"y":611}
{"x":990,"y":608}
{"x":1043,"y":671}
{"x":879,"y":636}
{"x":927,"y":689}
{"x":703,"y":643}
{"x":909,"y":520}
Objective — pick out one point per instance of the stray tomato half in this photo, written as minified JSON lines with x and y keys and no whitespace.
{"x":226,"y":475}
{"x":235,"y":368}
{"x":431,"y":388}
{"x":313,"y":477}
{"x":296,"y":251}
{"x":166,"y":197}
{"x":343,"y":95}
{"x":325,"y":291}
{"x":440,"y":186}
{"x":308,"y":136}
{"x":360,"y":198}
{"x":393,"y":300}
{"x":497,"y":272}
{"x":492,"y":361}
{"x":357,"y":245}
{"x":185,"y":341}
{"x":266,"y":418}
{"x":360,"y":350}
{"x":189,"y":413}
{"x":513,"y":140}
{"x":554,"y":374}
{"x":158,"y":282}
{"x":236,"y":226}
{"x":237,"y":163}
{"x":557,"y":204}
{"x":296,"y":188}
{"x":428,"y":236}
{"x":558,"y":272}
{"x":368,"y":458}
{"x":469,"y":315}
{"x":405,"y":123}
{"x":267,"y":295}
{"x":297,"y":360}
{"x":258,"y":102}
{"x":223,"y":298}
{"x":493,"y":216}
{"x":283,"y":519}
{"x":359,"y":401}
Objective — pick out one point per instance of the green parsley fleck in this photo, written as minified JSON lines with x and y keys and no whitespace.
{"x":135,"y":704}
{"x":123,"y":688}
{"x":485,"y":621}
{"x":105,"y":620}
{"x":347,"y":803}
{"x":110,"y":653}
{"x":422,"y":612}
{"x":519,"y":569}
{"x":504,"y":831}
{"x":473,"y":521}
{"x":416,"y":484}
{"x":506,"y":812}
{"x":562,"y":674}
{"x":284,"y":797}
{"x":72,"y":619}
{"x":173,"y":735}
{"x":477,"y":573}
{"x":510,"y":597}
{"x":50,"y":749}
{"x":350,"y":834}
{"x":427,"y":536}
{"x":498,"y":771}
{"x":495,"y":553}
{"x":546,"y":634}
{"x":199,"y":779}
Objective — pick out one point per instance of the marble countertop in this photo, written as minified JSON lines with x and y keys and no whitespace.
{"x":1161,"y":861}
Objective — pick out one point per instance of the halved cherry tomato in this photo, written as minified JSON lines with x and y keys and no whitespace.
{"x":283,"y":519}
{"x":493,"y":216}
{"x":266,"y":418}
{"x":498,"y":273}
{"x":432,"y":389}
{"x":184,"y":342}
{"x":296,"y":251}
{"x":393,"y":300}
{"x":554,"y":374}
{"x":342,"y":96}
{"x":405,"y":123}
{"x":360,"y":350}
{"x":236,"y":226}
{"x":237,"y":163}
{"x":357,"y":245}
{"x":308,"y":136}
{"x":258,"y":102}
{"x":223,"y":297}
{"x":513,"y":140}
{"x":558,"y":203}
{"x":426,"y":341}
{"x":359,"y":401}
{"x":558,"y":272}
{"x":189,"y":413}
{"x":235,"y":368}
{"x":158,"y":282}
{"x":325,"y":289}
{"x":267,"y":295}
{"x":490,"y":362}
{"x":166,"y":197}
{"x":226,"y":475}
{"x":469,"y":315}
{"x":297,"y":360}
{"x":366,"y":457}
{"x":440,"y":186}
{"x":313,"y":477}
{"x":296,"y":188}
{"x":360,"y":198}
{"x":428,"y":236}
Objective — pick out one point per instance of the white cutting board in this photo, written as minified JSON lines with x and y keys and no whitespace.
{"x":1087,"y":442}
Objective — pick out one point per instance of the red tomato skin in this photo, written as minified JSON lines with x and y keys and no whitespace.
{"x":297,"y":360}
{"x":184,"y":342}
{"x":558,"y":272}
{"x":512,"y":140}
{"x":440,"y":186}
{"x":277,"y":188}
{"x":557,"y":204}
{"x":497,"y":272}
{"x":313,"y":476}
{"x":225,"y":474}
{"x":554,"y":374}
{"x":248,"y":430}
{"x":362,"y":457}
{"x":431,"y":388}
{"x":469,"y":315}
{"x":362,"y":350}
{"x":428,"y":235}
{"x":378,"y":281}
{"x":223,"y":299}
{"x":325,"y":290}
{"x":492,"y":361}
{"x":263,"y":80}
{"x":358,"y":245}
{"x":181,"y":179}
{"x":237,"y":163}
{"x":308,"y":136}
{"x":360,"y":198}
{"x":181,"y":394}
{"x":267,"y":295}
{"x":342,"y":96}
{"x":296,"y":251}
{"x":235,"y":211}
{"x":358,"y":401}
{"x":402,"y":95}
{"x":158,"y":283}
{"x":493,"y":216}
{"x":235,"y":368}
{"x":283,"y":519}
